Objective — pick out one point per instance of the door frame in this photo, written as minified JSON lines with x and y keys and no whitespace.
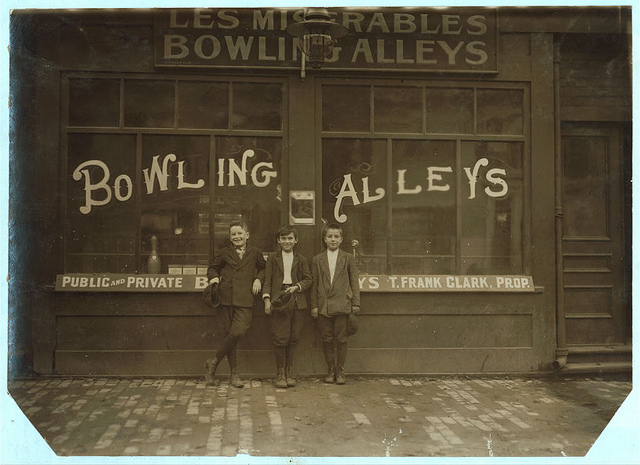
{"x":618,"y":209}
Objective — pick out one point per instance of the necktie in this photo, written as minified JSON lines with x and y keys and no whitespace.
{"x":240,"y":251}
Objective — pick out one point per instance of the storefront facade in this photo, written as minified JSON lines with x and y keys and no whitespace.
{"x":477,"y":160}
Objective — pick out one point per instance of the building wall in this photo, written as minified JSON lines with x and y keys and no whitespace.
{"x":157,"y":333}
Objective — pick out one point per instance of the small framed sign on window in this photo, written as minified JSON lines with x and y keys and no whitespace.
{"x":302,"y":207}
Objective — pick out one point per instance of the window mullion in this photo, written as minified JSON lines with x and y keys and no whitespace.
{"x":458,"y":171}
{"x":389,"y":205}
{"x":138,"y":239}
{"x":121,"y":116}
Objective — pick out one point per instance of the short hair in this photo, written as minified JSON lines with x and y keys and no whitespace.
{"x":331,"y":226}
{"x":242,"y":224}
{"x":286,"y":230}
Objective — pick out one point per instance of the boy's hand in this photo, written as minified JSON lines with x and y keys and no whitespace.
{"x":292,"y":289}
{"x":355,"y":309}
{"x":314,"y":312}
{"x":257,"y":286}
{"x":267,"y":306}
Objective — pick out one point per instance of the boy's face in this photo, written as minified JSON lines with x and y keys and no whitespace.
{"x":333,"y":239}
{"x":238,"y":236}
{"x":287,"y":242}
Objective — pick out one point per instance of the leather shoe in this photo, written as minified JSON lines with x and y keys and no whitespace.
{"x":235,"y":380}
{"x":331,"y":375}
{"x":281,"y":381}
{"x":340,"y":378}
{"x":211,"y":366}
{"x":291,"y":380}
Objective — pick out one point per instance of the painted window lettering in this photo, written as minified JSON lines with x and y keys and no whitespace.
{"x":99,"y":192}
{"x":435,"y":182}
{"x":261,"y":173}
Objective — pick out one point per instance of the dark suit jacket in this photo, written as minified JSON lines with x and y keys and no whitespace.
{"x":237,"y":276}
{"x":274,"y":275}
{"x":344,"y":293}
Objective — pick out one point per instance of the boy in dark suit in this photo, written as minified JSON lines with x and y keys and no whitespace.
{"x":335,"y":293}
{"x":238,"y":273}
{"x":287,"y":277}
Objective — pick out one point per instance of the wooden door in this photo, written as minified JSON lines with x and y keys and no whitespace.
{"x":596,"y":304}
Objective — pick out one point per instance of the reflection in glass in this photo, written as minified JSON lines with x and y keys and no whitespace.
{"x":424,"y":207}
{"x":253,"y":196}
{"x":203,"y":105}
{"x":175,"y":210}
{"x":257,"y":106}
{"x":500,"y":111}
{"x":102,"y":240}
{"x":149,"y":104}
{"x":492,"y":221}
{"x":585,"y":189}
{"x":398,"y":109}
{"x":449,"y":111}
{"x":360,"y":161}
{"x":346,"y":108}
{"x":94,"y":102}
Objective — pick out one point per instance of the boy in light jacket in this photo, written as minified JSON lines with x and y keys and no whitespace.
{"x":335,"y":293}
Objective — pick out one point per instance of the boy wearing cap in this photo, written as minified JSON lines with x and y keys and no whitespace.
{"x":335,"y":294}
{"x":287,"y":278}
{"x":236,"y":274}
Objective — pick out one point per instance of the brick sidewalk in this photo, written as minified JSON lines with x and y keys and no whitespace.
{"x":377,"y":417}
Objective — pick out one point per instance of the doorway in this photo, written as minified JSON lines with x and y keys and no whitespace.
{"x":594,"y":251}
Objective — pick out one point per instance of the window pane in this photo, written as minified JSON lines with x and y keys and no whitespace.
{"x":346,"y":108}
{"x":398,"y":109}
{"x":492,"y":208}
{"x":257,"y":106}
{"x":94,"y":102}
{"x":175,"y":207}
{"x":424,"y":207}
{"x":149,"y":104}
{"x":500,"y":111}
{"x":585,"y":186}
{"x":449,"y":111}
{"x":253,"y":196}
{"x":100,"y":238}
{"x":350,"y":166}
{"x":203,"y":105}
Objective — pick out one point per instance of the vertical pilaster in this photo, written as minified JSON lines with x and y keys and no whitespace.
{"x":301,"y":147}
{"x":542,"y":203}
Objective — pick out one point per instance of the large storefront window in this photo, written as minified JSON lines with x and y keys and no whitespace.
{"x":347,"y":163}
{"x":253,"y":197}
{"x":492,"y":223}
{"x":424,"y":218}
{"x":428,"y":180}
{"x":101,"y":231}
{"x":175,"y":210}
{"x":178,"y":159}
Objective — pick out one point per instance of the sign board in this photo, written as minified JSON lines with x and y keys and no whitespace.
{"x":444,"y":283}
{"x":79,"y":282}
{"x":407,"y":39}
{"x":302,"y":207}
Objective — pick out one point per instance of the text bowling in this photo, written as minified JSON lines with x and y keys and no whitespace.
{"x":99,"y":192}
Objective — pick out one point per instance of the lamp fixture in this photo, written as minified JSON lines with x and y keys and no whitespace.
{"x":317,"y":36}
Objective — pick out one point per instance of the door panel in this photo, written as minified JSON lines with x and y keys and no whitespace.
{"x":593,"y":236}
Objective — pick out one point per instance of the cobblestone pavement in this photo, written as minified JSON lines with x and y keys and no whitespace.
{"x":373,"y":417}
